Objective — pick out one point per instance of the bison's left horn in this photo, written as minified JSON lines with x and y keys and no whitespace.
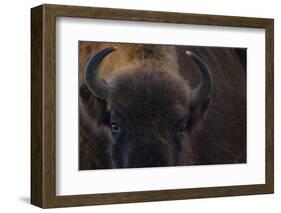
{"x":201,"y":92}
{"x":96,"y":85}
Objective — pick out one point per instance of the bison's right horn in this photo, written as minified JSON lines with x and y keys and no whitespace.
{"x":96,"y":85}
{"x":201,"y":92}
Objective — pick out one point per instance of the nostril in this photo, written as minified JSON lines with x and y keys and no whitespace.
{"x":149,"y":159}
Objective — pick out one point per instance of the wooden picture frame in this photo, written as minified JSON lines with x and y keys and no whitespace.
{"x":43,"y":105}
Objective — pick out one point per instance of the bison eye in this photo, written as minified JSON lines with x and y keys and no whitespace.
{"x":181,"y":131}
{"x":181,"y":127}
{"x":115,"y":128}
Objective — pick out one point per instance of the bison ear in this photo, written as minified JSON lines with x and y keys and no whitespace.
{"x":198,"y":114}
{"x":95,"y":108}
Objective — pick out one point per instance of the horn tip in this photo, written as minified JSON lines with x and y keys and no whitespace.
{"x":188,"y":53}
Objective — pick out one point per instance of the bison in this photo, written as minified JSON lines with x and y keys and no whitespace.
{"x":147,"y":106}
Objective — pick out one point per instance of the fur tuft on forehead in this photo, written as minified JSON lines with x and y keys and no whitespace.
{"x":144,"y":93}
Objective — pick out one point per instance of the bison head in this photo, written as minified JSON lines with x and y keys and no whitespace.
{"x":151,"y":113}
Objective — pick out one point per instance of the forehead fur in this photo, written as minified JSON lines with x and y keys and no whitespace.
{"x":147,"y":94}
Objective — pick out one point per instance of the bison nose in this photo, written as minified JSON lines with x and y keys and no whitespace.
{"x":148,"y":159}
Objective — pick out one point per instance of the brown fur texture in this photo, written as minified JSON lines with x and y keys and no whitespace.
{"x":222,"y":136}
{"x":150,"y":87}
{"x":149,"y":104}
{"x":94,"y":137}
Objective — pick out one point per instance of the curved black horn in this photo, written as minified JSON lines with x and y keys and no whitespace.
{"x":96,"y":85}
{"x":201,"y":92}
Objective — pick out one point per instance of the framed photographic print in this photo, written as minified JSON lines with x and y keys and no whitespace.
{"x":135,"y":106}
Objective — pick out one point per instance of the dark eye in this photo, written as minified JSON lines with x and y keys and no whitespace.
{"x":115,"y":128}
{"x":181,"y":131}
{"x":182,"y":127}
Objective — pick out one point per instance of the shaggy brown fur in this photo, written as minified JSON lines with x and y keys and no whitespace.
{"x":222,"y":136}
{"x":163,"y":57}
{"x":150,"y":104}
{"x":94,"y":137}
{"x":150,"y":94}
